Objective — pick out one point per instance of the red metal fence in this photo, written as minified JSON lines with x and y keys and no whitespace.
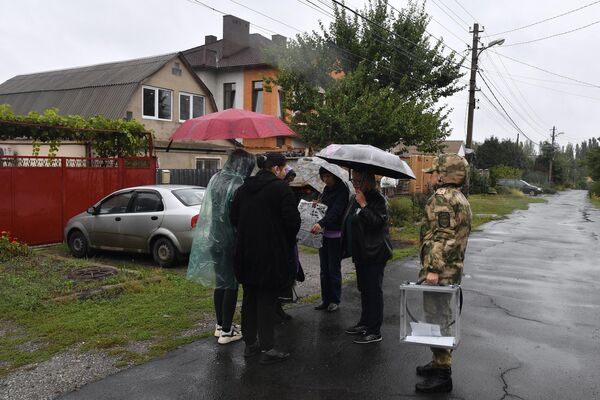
{"x":38,"y":195}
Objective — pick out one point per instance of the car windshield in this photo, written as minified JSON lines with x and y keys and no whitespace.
{"x":190,"y":196}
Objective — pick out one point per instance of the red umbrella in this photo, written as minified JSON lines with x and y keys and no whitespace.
{"x":232,"y":124}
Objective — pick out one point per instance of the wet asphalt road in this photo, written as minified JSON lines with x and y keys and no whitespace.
{"x":530,"y":329}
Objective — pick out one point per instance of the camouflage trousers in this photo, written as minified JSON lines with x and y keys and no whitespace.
{"x":437,"y":311}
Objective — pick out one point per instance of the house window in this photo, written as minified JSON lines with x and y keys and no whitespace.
{"x":280,"y":141}
{"x":257,"y":96}
{"x":157,"y":103}
{"x":190,"y":106}
{"x":208,"y":163}
{"x":228,"y":95}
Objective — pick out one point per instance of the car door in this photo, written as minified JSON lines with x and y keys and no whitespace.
{"x":145,"y":216}
{"x":107,"y":222}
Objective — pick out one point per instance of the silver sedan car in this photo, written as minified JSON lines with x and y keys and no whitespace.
{"x":156,"y":219}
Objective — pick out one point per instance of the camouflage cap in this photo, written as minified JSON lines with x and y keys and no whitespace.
{"x":451,"y":167}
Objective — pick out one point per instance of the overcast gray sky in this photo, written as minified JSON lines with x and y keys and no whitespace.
{"x":42,"y":35}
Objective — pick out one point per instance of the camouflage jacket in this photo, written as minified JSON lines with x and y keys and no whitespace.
{"x":444,"y":234}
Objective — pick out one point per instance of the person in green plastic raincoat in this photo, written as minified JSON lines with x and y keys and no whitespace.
{"x":211,"y":257}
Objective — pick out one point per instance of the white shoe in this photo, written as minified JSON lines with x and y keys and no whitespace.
{"x":228,"y":337}
{"x":218,"y":330}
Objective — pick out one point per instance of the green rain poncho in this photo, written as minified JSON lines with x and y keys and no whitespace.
{"x":211,"y":257}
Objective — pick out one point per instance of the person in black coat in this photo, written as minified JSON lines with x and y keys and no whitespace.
{"x":335,"y":197}
{"x":267,"y":220}
{"x":366,"y":238}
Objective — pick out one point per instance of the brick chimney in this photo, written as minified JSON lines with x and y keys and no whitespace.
{"x":208,"y":39}
{"x":236,"y":34}
{"x":278,"y":40}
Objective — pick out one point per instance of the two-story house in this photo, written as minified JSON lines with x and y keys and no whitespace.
{"x":160,"y":92}
{"x":234,"y":68}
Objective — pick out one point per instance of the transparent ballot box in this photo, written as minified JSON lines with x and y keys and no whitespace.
{"x":430,"y":315}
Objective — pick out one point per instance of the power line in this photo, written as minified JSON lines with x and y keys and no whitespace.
{"x":526,"y":118}
{"x":503,"y":109}
{"x":545,"y":70}
{"x":555,"y":35}
{"x":539,"y":122}
{"x":199,"y":3}
{"x":467,"y":11}
{"x":451,"y":17}
{"x":547,"y":19}
{"x":452,"y":11}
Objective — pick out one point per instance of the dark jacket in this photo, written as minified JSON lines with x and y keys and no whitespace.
{"x":267,"y":221}
{"x":370,"y":238}
{"x":336,"y":200}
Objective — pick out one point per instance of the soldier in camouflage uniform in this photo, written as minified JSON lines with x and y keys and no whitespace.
{"x":444,"y":234}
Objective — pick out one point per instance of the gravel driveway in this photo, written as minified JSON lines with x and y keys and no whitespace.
{"x":70,"y":370}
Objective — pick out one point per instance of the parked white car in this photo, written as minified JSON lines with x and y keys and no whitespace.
{"x":155,"y":219}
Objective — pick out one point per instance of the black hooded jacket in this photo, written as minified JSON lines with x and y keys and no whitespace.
{"x":267,"y":221}
{"x":336,"y":200}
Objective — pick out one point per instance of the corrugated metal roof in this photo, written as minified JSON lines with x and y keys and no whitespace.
{"x":103,"y":89}
{"x":116,"y":73}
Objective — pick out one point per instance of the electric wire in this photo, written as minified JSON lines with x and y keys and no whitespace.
{"x":525,"y":104}
{"x":198,"y":2}
{"x":552,"y":36}
{"x":505,"y":118}
{"x":467,"y":11}
{"x":539,"y":119}
{"x":516,"y":110}
{"x":547,"y":19}
{"x":501,"y":106}
{"x":451,"y":17}
{"x":452,"y":11}
{"x":545,"y":70}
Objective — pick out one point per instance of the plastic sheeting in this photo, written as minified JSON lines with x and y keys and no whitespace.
{"x":310,"y":214}
{"x":211,"y":257}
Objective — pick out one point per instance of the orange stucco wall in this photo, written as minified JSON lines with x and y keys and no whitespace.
{"x":270,"y":105}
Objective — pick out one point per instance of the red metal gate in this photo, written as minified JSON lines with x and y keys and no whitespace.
{"x":38,"y":195}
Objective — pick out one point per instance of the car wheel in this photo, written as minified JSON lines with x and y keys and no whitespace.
{"x":78,"y":244}
{"x":164,"y":252}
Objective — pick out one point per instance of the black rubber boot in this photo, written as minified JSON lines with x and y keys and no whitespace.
{"x":440,"y":381}
{"x":427,"y":370}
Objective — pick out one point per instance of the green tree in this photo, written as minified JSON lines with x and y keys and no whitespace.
{"x":376,"y":82}
{"x":593,"y":163}
{"x":493,"y":152}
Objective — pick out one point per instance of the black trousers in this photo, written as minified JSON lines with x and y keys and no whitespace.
{"x":369,"y":279}
{"x":258,"y":316}
{"x":225,"y":301}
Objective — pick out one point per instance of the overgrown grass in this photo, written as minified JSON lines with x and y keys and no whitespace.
{"x":158,"y":313}
{"x":487,"y":208}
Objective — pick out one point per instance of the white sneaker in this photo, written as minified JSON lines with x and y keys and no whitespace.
{"x":218,"y":330}
{"x":228,"y":337}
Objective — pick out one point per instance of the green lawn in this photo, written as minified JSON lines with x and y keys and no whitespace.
{"x":156,"y":314}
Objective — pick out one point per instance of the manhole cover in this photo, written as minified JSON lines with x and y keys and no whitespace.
{"x":91,"y":273}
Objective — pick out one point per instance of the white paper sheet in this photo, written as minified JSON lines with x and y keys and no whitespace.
{"x":425,"y":329}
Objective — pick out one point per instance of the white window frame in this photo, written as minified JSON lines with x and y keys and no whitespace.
{"x":156,"y":98}
{"x":207,"y":158}
{"x":191,"y":96}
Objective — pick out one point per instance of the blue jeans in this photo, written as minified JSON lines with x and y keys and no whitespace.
{"x":330,"y":256}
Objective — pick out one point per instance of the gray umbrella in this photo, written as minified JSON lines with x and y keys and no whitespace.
{"x":307,"y":169}
{"x":366,"y":157}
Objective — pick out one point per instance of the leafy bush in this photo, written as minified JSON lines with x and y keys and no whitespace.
{"x":479,"y":181}
{"x":504,"y":172}
{"x":10,"y":247}
{"x":594,"y":189}
{"x":400,"y":211}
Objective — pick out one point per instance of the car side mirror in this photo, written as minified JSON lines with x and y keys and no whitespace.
{"x":91,"y":210}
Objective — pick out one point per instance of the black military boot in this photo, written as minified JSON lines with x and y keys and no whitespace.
{"x":427,"y":369}
{"x":439,"y":380}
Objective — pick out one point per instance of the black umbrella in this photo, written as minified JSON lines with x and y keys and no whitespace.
{"x":366,"y":157}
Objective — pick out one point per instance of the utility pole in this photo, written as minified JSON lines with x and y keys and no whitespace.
{"x":472,"y":87}
{"x":475,"y":52}
{"x":554,"y":135}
